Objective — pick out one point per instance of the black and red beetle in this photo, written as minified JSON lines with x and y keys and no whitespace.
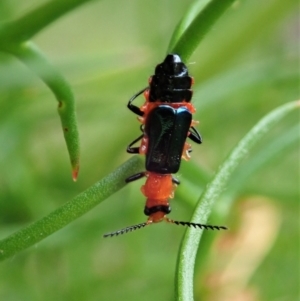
{"x":166,"y":119}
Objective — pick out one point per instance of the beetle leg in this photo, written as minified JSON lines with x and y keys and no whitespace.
{"x":136,"y":110}
{"x":134,"y":150}
{"x":135,"y":177}
{"x":195,"y":136}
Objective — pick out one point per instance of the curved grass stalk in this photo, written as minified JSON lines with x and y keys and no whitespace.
{"x":187,"y":19}
{"x":192,"y":237}
{"x":263,"y":156}
{"x":14,"y":39}
{"x":73,"y":209}
{"x":30,"y":55}
{"x":184,"y":42}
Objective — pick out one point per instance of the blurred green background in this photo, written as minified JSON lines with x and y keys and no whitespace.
{"x":107,"y":50}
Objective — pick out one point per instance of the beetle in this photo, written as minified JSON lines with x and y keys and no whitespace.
{"x":166,"y":123}
{"x":168,"y":97}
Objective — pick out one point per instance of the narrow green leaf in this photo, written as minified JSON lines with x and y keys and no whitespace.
{"x":198,"y":28}
{"x":252,"y":21}
{"x":186,"y":20}
{"x":30,"y":55}
{"x":73,"y":209}
{"x":191,"y":240}
{"x":264,"y":155}
{"x":14,"y":36}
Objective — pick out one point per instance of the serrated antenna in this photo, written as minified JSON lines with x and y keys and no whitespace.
{"x":126,"y":230}
{"x":195,"y":225}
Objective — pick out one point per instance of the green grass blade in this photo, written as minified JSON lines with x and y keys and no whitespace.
{"x":14,"y":36}
{"x":188,"y":41}
{"x":255,"y":20}
{"x":73,"y":209}
{"x":30,"y":55}
{"x":186,"y":20}
{"x":270,"y":151}
{"x":191,"y":240}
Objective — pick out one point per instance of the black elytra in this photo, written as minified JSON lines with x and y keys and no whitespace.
{"x":166,"y":129}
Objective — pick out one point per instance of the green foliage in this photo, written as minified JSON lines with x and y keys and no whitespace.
{"x":185,"y":40}
{"x":245,"y":67}
{"x":15,"y":35}
{"x":187,"y":254}
{"x":67,"y":213}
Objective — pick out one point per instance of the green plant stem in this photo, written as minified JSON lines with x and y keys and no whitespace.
{"x":270,"y":152}
{"x":14,"y":39}
{"x":188,"y":41}
{"x":191,"y":240}
{"x":188,"y":17}
{"x":28,"y":25}
{"x":30,"y":55}
{"x":221,"y":51}
{"x":70,"y":211}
